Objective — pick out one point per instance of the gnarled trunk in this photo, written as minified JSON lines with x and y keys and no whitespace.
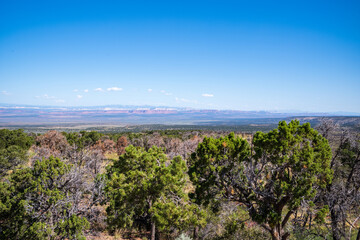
{"x":358,"y":235}
{"x":196,"y":232}
{"x":153,"y":231}
{"x":334,"y":224}
{"x":278,"y":233}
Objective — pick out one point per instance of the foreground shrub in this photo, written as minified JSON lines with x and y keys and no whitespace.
{"x":36,"y":203}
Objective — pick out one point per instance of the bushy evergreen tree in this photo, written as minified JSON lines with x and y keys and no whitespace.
{"x":82,"y":139}
{"x":271,"y":177}
{"x":13,"y":149}
{"x":36,"y":203}
{"x":146,"y":186}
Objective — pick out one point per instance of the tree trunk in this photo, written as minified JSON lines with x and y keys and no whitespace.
{"x":358,"y":235}
{"x":334,"y":225}
{"x":275,"y":236}
{"x":195,"y":235}
{"x":279,"y":235}
{"x":153,"y":231}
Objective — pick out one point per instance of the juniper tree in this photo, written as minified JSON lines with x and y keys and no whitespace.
{"x":37,"y":203}
{"x":270,"y":177}
{"x":146,"y":186}
{"x":13,"y":149}
{"x":342,"y":195}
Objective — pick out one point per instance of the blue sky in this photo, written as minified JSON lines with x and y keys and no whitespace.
{"x":244,"y":55}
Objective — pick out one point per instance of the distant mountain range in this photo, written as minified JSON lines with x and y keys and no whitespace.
{"x":12,"y":114}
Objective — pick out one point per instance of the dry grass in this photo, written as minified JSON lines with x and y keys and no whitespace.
{"x":111,"y":156}
{"x":117,"y":236}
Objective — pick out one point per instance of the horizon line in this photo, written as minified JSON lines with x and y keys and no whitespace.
{"x":13,"y":105}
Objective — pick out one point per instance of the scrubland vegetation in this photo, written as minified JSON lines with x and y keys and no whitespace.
{"x":294,"y":182}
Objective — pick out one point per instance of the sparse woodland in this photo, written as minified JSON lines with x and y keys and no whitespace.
{"x":294,"y":182}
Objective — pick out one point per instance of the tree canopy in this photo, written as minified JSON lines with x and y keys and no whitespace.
{"x":144,"y":186}
{"x":36,"y":203}
{"x":270,"y":177}
{"x":13,"y":149}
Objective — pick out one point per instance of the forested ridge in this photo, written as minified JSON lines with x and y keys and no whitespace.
{"x":294,"y":182}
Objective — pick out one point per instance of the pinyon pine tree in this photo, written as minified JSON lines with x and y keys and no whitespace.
{"x":36,"y":203}
{"x":271,"y":178}
{"x":144,"y":186}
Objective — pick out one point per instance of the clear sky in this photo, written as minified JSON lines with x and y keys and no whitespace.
{"x":244,"y":55}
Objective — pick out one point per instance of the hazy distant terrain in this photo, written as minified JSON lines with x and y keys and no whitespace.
{"x":140,"y":118}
